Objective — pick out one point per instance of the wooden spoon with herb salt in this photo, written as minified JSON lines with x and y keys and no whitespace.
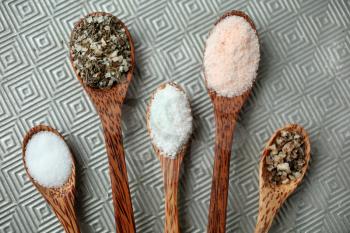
{"x":287,"y":153}
{"x":169,"y":124}
{"x":62,"y":199}
{"x":231,"y":61}
{"x":102,"y":56}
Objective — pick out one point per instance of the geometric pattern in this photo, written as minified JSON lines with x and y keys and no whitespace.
{"x":304,"y":77}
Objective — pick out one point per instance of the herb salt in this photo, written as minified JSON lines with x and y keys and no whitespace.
{"x":286,"y":158}
{"x":100,"y":51}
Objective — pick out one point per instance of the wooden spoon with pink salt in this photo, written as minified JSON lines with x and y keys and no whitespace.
{"x":231,"y":61}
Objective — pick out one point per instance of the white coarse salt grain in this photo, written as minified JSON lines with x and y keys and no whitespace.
{"x":48,"y":159}
{"x":231,"y":57}
{"x":170,"y":120}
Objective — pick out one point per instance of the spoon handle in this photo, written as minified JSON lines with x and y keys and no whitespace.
{"x":171,"y":170}
{"x":68,"y":218}
{"x":269,"y":203}
{"x":123,"y":211}
{"x":219,"y":189}
{"x":64,"y":208}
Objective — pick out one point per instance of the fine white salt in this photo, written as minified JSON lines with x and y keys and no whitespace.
{"x":170,"y":120}
{"x":48,"y":159}
{"x":231,"y":57}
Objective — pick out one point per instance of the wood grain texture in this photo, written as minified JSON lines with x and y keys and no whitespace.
{"x":62,"y":199}
{"x":108,"y":103}
{"x":273,"y":196}
{"x":226,"y":111}
{"x":171,"y":170}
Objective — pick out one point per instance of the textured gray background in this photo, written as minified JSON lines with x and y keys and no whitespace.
{"x":304,"y":77}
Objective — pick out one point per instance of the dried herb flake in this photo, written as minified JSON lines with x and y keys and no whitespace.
{"x":101,"y":51}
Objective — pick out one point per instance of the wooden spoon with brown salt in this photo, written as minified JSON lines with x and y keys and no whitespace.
{"x":108,"y":103}
{"x":226,"y":110}
{"x":272,"y":196}
{"x":62,"y":199}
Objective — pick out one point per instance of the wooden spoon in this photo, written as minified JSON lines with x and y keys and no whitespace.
{"x":272,"y":196}
{"x":171,"y":169}
{"x":108,"y":103}
{"x":62,"y":199}
{"x":226,"y":110}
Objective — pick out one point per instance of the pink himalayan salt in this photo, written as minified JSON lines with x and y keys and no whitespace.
{"x":231,"y":57}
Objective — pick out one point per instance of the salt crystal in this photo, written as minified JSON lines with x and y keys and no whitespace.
{"x":231,"y":57}
{"x":48,"y":159}
{"x":170,"y":120}
{"x":283,"y":167}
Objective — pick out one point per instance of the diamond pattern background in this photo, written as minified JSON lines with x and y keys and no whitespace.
{"x":304,"y":77}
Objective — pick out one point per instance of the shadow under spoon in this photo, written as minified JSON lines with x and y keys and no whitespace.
{"x":108,"y":103}
{"x":171,"y":171}
{"x":226,"y":110}
{"x":62,"y":199}
{"x":273,"y":196}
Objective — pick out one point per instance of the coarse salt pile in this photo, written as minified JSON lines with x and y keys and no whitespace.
{"x":231,"y":57}
{"x":286,"y":158}
{"x":170,"y":120}
{"x":48,"y":159}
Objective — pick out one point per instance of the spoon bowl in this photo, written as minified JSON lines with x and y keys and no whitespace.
{"x":108,"y":103}
{"x":119,"y":89}
{"x":226,"y":110}
{"x":170,"y":167}
{"x":61,"y":199}
{"x":273,"y":196}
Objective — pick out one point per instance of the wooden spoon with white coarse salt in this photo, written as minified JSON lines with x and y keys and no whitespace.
{"x":55,"y":183}
{"x":169,"y":124}
{"x":231,"y":60}
{"x":108,"y":103}
{"x":272,"y":196}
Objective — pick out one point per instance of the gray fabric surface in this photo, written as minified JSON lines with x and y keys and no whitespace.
{"x":304,"y":77}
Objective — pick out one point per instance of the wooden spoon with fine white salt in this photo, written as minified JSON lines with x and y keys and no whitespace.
{"x":169,"y":124}
{"x":272,"y":196}
{"x":61,"y":198}
{"x":231,"y":60}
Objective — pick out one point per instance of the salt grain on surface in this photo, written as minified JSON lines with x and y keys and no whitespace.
{"x":231,"y":57}
{"x":170,"y":120}
{"x":48,"y":159}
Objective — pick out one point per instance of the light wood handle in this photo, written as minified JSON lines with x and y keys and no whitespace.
{"x":123,"y":211}
{"x":66,"y":212}
{"x":63,"y":205}
{"x":269,"y":203}
{"x":219,"y":189}
{"x":265,"y":217}
{"x":264,"y":221}
{"x":171,"y":170}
